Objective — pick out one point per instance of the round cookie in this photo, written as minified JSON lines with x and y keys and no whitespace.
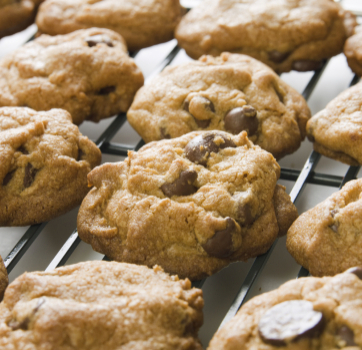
{"x":284,"y":34}
{"x":101,"y":305}
{"x":336,"y":131}
{"x":192,"y":204}
{"x":4,"y":280}
{"x":88,"y":73}
{"x":353,"y":51}
{"x":327,"y":239}
{"x":44,"y":162}
{"x":231,"y":92}
{"x":308,"y":313}
{"x":142,"y":23}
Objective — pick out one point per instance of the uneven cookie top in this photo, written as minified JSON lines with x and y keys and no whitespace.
{"x":327,"y":239}
{"x":141,"y":22}
{"x":285,"y":34}
{"x":88,"y":73}
{"x":336,"y":131}
{"x":100,"y":305}
{"x":44,"y":162}
{"x":191,"y":204}
{"x":308,"y":313}
{"x":4,"y":280}
{"x":353,"y":51}
{"x":231,"y":92}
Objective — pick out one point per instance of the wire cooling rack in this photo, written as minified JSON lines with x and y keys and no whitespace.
{"x":50,"y":245}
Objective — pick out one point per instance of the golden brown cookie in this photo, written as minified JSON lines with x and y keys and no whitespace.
{"x":232,"y":93}
{"x":192,"y":204}
{"x":88,"y":73}
{"x":44,"y":162}
{"x":336,"y":131}
{"x":284,"y":34}
{"x":327,"y":239}
{"x":353,"y":51}
{"x":141,"y":23}
{"x":101,"y":305}
{"x":4,"y":280}
{"x":305,"y":314}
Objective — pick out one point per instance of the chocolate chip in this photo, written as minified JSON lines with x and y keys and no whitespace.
{"x":15,"y":325}
{"x":186,"y":105}
{"x":311,"y":138}
{"x":80,"y":154}
{"x":289,"y":321}
{"x":22,"y":149}
{"x":30,"y":173}
{"x":98,"y":39}
{"x":203,"y":123}
{"x":356,"y":271}
{"x":8,"y":177}
{"x":200,"y":147}
{"x":183,"y":186}
{"x":242,"y":118}
{"x":106,"y":90}
{"x":306,"y":65}
{"x":244,"y":215}
{"x":277,"y":57}
{"x":346,"y":335}
{"x":200,"y":103}
{"x":220,"y":245}
{"x":164,"y":134}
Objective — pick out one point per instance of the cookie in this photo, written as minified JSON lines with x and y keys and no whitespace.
{"x":284,"y":34}
{"x":231,"y":92}
{"x":4,"y":280}
{"x":336,"y":131}
{"x":142,"y":24}
{"x":353,"y":51}
{"x":88,"y":73}
{"x":308,"y":313}
{"x":192,"y":204}
{"x":327,"y":239}
{"x":44,"y":162}
{"x":101,"y":305}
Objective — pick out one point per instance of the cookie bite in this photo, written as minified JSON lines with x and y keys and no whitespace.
{"x":192,"y":204}
{"x":88,"y":73}
{"x":283,"y":34}
{"x":4,"y":279}
{"x":44,"y":162}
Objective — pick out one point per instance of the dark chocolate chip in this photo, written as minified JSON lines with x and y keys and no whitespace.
{"x":106,"y":90}
{"x":220,"y":245}
{"x":164,"y":134}
{"x":80,"y":154}
{"x":244,"y":215}
{"x":278,"y":57}
{"x":30,"y":173}
{"x":346,"y":335}
{"x":15,"y":325}
{"x":356,"y":271}
{"x":290,"y":321}
{"x":200,"y":147}
{"x":242,"y":118}
{"x":8,"y":177}
{"x":183,"y":186}
{"x":203,"y":123}
{"x":22,"y":149}
{"x":306,"y":65}
{"x":98,"y":39}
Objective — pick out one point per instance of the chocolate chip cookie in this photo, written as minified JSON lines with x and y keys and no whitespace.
{"x":101,"y":305}
{"x":336,"y":131}
{"x":231,"y":92}
{"x":4,"y":280}
{"x":308,"y":313}
{"x":44,"y":162}
{"x":327,"y":239}
{"x":192,"y":204}
{"x":284,"y":34}
{"x":142,"y":24}
{"x":353,"y":51}
{"x":88,"y":73}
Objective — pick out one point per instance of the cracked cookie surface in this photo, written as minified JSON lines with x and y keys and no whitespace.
{"x":141,"y":23}
{"x":192,"y":204}
{"x":284,"y":34}
{"x":327,"y":239}
{"x":336,"y":131}
{"x":88,"y":73}
{"x":4,"y":280}
{"x":101,"y":305}
{"x":327,"y":316}
{"x":44,"y":162}
{"x":231,"y":92}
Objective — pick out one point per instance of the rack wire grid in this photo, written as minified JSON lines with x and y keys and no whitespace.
{"x":49,"y":245}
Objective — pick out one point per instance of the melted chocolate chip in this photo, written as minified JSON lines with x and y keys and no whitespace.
{"x":22,"y":149}
{"x":278,"y":57}
{"x":164,"y":134}
{"x":356,"y":271}
{"x":106,"y":90}
{"x":220,"y":245}
{"x":183,"y":186}
{"x":244,"y":215}
{"x":242,"y":118}
{"x":203,"y":123}
{"x":200,"y":147}
{"x":8,"y":177}
{"x":306,"y":65}
{"x":346,"y":335}
{"x":289,"y":321}
{"x":30,"y":173}
{"x":98,"y":39}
